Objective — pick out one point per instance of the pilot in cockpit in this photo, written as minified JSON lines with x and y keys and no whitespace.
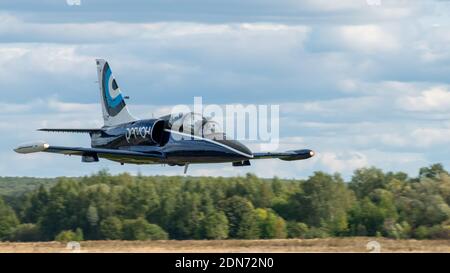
{"x":199,"y":126}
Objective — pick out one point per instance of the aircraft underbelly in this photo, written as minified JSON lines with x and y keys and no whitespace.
{"x":201,"y":154}
{"x":129,"y":160}
{"x":173,"y":160}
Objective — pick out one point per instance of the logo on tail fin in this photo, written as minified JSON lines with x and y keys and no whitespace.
{"x":114,"y":102}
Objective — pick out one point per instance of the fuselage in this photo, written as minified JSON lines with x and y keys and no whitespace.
{"x":154,"y":136}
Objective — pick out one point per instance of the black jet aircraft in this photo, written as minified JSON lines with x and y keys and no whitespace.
{"x":125,"y":139}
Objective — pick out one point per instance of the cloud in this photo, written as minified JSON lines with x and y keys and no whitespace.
{"x":71,"y":107}
{"x":366,"y":38}
{"x":8,"y":108}
{"x":286,"y":11}
{"x":163,"y":57}
{"x":427,"y":137}
{"x":110,"y":32}
{"x":344,"y":161}
{"x":436,"y":99}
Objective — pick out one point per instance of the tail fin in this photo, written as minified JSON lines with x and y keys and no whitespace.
{"x":114,"y":108}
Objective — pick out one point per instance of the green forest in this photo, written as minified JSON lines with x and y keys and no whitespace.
{"x":124,"y":207}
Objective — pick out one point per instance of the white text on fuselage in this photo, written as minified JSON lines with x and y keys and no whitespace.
{"x":138,"y":132}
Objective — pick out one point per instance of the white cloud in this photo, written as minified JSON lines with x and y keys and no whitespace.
{"x":324,"y":5}
{"x":427,"y":137}
{"x":434,"y":99}
{"x":109,"y":32}
{"x":71,"y":107}
{"x":361,"y":9}
{"x":25,"y":62}
{"x":8,"y":108}
{"x":367,"y":38}
{"x":343,"y":161}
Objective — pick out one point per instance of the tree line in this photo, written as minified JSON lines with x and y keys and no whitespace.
{"x":124,"y":207}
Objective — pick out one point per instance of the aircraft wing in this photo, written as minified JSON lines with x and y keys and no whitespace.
{"x":287,"y":156}
{"x":80,"y":151}
{"x":99,"y":152}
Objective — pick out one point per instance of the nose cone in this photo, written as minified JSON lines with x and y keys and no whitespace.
{"x":237,"y":147}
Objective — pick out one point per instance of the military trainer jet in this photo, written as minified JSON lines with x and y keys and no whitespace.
{"x":128,"y":140}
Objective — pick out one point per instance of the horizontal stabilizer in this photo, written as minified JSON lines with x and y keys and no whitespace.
{"x":66,"y":130}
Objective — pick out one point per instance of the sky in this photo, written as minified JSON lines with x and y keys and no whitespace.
{"x":361,"y":82}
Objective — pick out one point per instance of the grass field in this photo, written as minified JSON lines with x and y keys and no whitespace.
{"x":356,"y":244}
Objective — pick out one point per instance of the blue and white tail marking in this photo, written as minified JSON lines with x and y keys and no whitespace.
{"x":113,"y":104}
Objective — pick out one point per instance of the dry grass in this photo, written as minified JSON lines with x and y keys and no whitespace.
{"x":355,"y":244}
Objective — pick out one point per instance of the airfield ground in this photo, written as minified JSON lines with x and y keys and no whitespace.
{"x":355,"y":244}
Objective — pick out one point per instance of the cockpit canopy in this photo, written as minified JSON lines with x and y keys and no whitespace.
{"x":194,"y":123}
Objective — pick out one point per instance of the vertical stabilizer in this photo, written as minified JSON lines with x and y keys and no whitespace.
{"x":114,"y":108}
